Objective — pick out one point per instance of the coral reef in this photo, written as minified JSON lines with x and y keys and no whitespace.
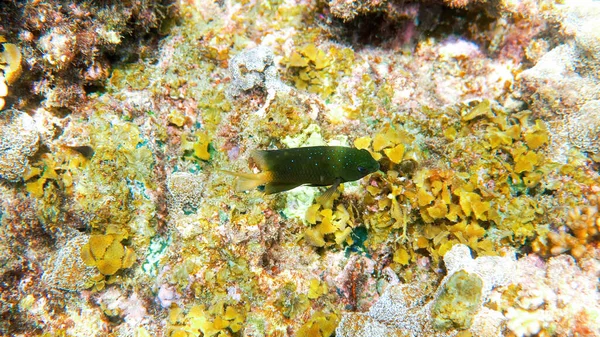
{"x":482,"y":116}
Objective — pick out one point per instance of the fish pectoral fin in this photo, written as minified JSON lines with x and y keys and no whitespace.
{"x":249,"y":181}
{"x":271,"y":188}
{"x":328,"y":194}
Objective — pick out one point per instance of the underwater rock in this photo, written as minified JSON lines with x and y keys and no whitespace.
{"x":581,"y":21}
{"x":18,"y":141}
{"x":458,"y":302}
{"x":555,"y":85}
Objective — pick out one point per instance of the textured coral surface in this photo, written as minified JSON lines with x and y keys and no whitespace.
{"x":119,"y":120}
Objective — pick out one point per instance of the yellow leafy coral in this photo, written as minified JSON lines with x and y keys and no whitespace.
{"x":107,"y":253}
{"x":329,"y":227}
{"x":317,"y":70}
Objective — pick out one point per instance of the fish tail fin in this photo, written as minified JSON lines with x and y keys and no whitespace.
{"x":249,"y":181}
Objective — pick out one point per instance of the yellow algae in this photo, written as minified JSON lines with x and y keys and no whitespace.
{"x":115,"y":251}
{"x":380,"y":141}
{"x":422,"y":242}
{"x":10,"y":62}
{"x":296,"y":60}
{"x":376,"y":155}
{"x":326,"y":226}
{"x":36,"y":188}
{"x":436,"y":187}
{"x":450,"y":133}
{"x":480,"y":208}
{"x":321,"y":60}
{"x":314,"y":237}
{"x":220,"y":323}
{"x":106,"y":253}
{"x":86,"y":255}
{"x":344,"y":235}
{"x":176,"y":118}
{"x":438,"y":210}
{"x":446,"y":196}
{"x":312,"y":213}
{"x":526,"y":162}
{"x":497,"y":137}
{"x":310,"y":51}
{"x":231,"y":313}
{"x":108,"y":266}
{"x":444,"y":248}
{"x":467,"y":200}
{"x":424,"y":198}
{"x":319,"y":325}
{"x":474,"y":230}
{"x":514,"y":131}
{"x":531,"y":179}
{"x":454,"y":212}
{"x":401,"y":256}
{"x":178,"y":333}
{"x":129,"y":258}
{"x":99,"y":243}
{"x":395,"y":154}
{"x":201,"y":146}
{"x":537,"y":136}
{"x":362,"y":142}
{"x":341,"y":216}
{"x":316,"y":289}
{"x":481,"y":109}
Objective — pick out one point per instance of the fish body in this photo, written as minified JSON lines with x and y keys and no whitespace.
{"x":283,"y":170}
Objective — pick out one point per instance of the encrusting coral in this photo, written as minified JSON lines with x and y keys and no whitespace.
{"x":18,"y":141}
{"x":68,"y":270}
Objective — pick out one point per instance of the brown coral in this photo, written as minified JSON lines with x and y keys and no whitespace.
{"x":583,"y":226}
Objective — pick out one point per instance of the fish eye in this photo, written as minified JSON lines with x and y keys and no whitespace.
{"x":362,"y":170}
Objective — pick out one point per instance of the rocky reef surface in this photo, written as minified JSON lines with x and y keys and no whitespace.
{"x":118,"y":120}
